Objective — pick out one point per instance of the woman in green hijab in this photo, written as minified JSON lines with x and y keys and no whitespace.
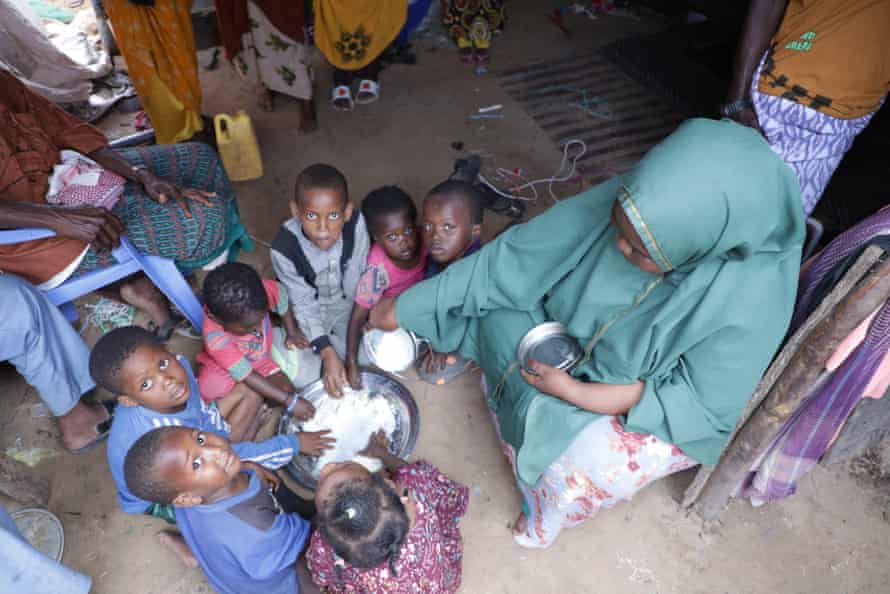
{"x":678,"y":277}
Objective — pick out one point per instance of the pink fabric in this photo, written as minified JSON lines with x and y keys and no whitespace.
{"x":880,"y":381}
{"x":430,"y":558}
{"x":228,"y":358}
{"x":80,"y":181}
{"x":382,"y":278}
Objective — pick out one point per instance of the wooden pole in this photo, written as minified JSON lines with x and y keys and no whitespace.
{"x":838,"y":315}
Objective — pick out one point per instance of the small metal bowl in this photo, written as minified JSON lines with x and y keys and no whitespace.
{"x":400,"y":400}
{"x":42,"y":529}
{"x":550,"y":343}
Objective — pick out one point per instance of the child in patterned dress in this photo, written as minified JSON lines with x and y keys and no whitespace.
{"x":387,"y":535}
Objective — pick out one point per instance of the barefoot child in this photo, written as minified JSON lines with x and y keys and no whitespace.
{"x":387,"y":535}
{"x":229,"y":515}
{"x":156,"y":388}
{"x":240,"y":357}
{"x":319,"y":255}
{"x":452,"y":226}
{"x":396,"y":261}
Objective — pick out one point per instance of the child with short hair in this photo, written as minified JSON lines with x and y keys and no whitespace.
{"x":387,"y":535}
{"x":397,"y":261}
{"x":156,"y":388}
{"x":243,"y":353}
{"x":452,"y":229}
{"x":228,"y":514}
{"x":319,"y":255}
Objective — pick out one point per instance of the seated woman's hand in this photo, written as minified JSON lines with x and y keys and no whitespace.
{"x":161,"y":190}
{"x":383,"y":315}
{"x":91,"y":224}
{"x":548,"y":379}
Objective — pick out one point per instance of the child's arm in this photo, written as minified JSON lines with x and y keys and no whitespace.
{"x":353,"y":336}
{"x":378,"y":447}
{"x":279,"y":389}
{"x":295,"y":336}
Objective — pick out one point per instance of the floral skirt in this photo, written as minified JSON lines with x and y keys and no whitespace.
{"x":472,"y":21}
{"x":273,"y":59}
{"x":603,"y":466}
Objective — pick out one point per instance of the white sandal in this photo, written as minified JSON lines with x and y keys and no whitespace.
{"x":342,"y":93}
{"x":368,"y":87}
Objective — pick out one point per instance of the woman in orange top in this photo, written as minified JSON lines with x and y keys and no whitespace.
{"x":810,"y":74}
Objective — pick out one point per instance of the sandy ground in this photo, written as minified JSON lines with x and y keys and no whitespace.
{"x":829,"y":538}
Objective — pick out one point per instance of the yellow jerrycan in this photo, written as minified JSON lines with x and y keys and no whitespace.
{"x":238,"y":146}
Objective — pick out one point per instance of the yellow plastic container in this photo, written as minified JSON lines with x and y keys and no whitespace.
{"x":238,"y":146}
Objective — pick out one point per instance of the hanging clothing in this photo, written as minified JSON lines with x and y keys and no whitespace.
{"x":472,"y":22}
{"x":805,"y":437}
{"x":699,"y":335}
{"x":353,"y":33}
{"x":264,"y":39}
{"x":234,"y":18}
{"x":158,"y":44}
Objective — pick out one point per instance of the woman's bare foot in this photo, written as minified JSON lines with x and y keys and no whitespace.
{"x":308,"y":121}
{"x":141,"y":293}
{"x":78,"y":426}
{"x":177,"y":544}
{"x":264,"y":99}
{"x":520,"y":525}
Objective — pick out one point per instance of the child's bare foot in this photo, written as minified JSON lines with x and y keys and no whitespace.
{"x":520,"y":525}
{"x":175,"y":543}
{"x":308,"y":122}
{"x":143,"y":295}
{"x":264,"y":99}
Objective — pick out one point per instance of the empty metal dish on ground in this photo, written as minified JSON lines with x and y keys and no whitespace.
{"x":551,"y":344}
{"x":401,"y":403}
{"x":42,"y":529}
{"x":394,"y":351}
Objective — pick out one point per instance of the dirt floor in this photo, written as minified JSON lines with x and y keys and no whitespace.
{"x":829,"y":538}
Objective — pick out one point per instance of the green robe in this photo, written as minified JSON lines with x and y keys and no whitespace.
{"x":720,"y":214}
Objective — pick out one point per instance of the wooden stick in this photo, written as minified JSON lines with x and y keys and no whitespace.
{"x":793,"y":374}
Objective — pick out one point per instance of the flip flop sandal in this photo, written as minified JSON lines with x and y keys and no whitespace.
{"x":165,"y":330}
{"x":342,"y":93}
{"x":103,"y":429}
{"x":177,"y":324}
{"x":370,"y":89}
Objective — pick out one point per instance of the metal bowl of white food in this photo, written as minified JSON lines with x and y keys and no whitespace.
{"x":400,"y":403}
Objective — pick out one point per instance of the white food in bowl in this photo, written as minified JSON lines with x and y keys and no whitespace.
{"x":352,"y":419}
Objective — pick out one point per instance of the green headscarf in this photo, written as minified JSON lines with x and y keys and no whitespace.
{"x":719,"y":213}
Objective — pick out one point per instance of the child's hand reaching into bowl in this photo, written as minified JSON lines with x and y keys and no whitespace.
{"x":378,"y":446}
{"x":302,"y":410}
{"x":313,"y":443}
